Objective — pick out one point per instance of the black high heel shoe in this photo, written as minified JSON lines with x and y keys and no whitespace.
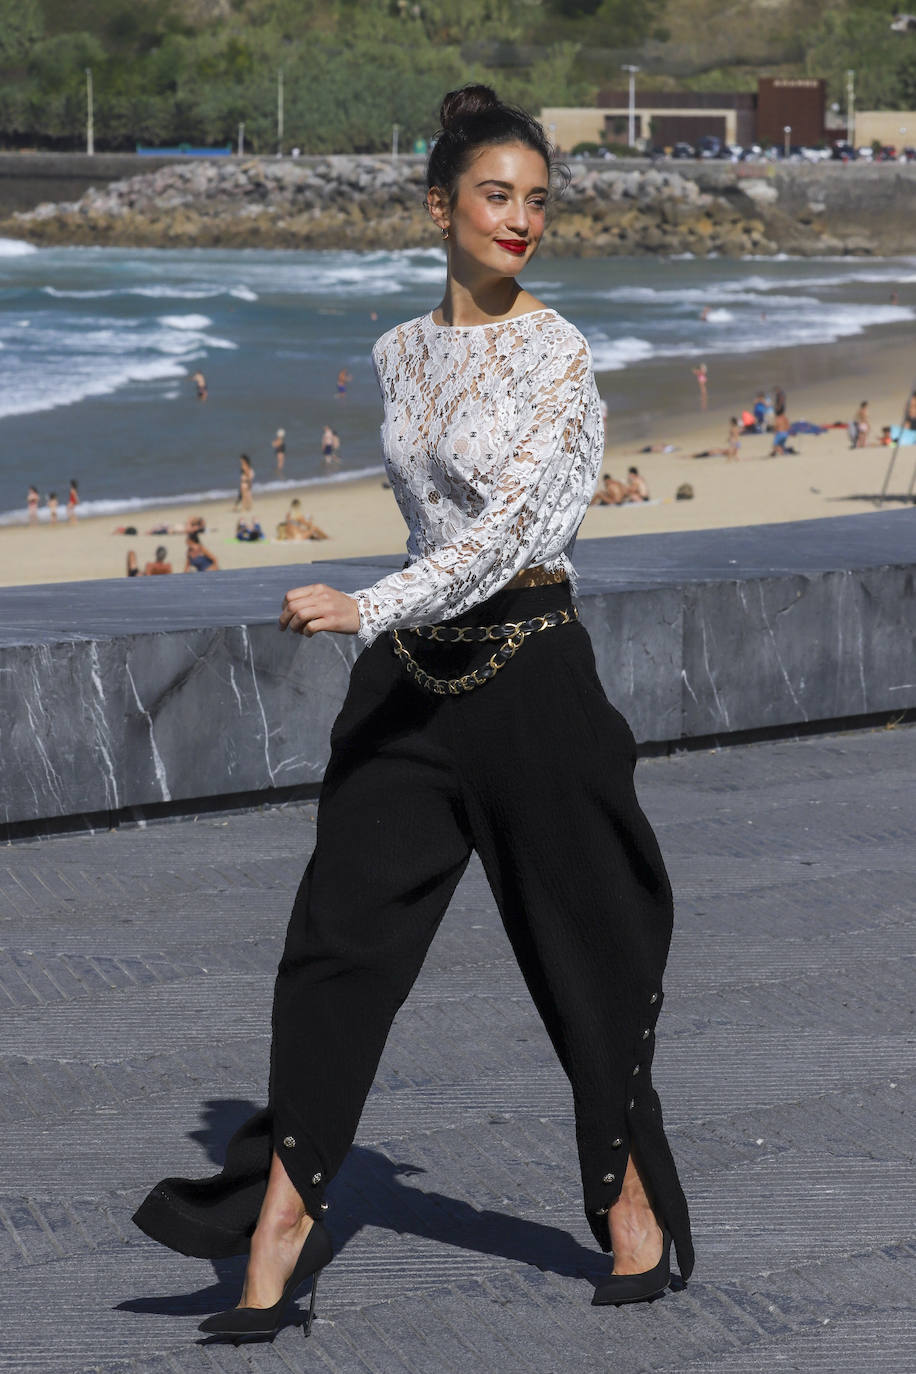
{"x":262,"y":1323}
{"x":637,"y":1287}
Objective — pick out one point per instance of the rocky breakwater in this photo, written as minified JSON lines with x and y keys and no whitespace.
{"x":373,"y":202}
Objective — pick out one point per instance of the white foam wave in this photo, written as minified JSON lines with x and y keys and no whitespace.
{"x":16,"y":248}
{"x":615,"y":355}
{"x":125,"y":505}
{"x":719,"y":316}
{"x":61,"y":361}
{"x":185,"y":321}
{"x":243,"y":293}
{"x":791,"y":329}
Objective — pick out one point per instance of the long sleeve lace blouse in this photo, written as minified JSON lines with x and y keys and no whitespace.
{"x":492,"y":439}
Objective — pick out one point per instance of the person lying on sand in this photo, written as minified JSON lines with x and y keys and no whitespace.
{"x":610,"y":493}
{"x":658,"y":448}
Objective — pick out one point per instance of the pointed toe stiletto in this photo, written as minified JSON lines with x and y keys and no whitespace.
{"x":620,"y":1288}
{"x":262,"y":1323}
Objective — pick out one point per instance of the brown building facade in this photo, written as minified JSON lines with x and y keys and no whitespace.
{"x":796,"y":102}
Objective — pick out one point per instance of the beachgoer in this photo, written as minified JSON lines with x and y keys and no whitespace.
{"x":521,"y":759}
{"x":335,"y":449}
{"x":636,"y":487}
{"x":132,"y":569}
{"x":702,"y":377}
{"x":52,"y":507}
{"x":198,"y":557}
{"x":327,"y":446}
{"x":779,"y":401}
{"x":297,"y":525}
{"x":862,"y":425}
{"x":760,"y":411}
{"x":344,"y":378}
{"x":704,"y":314}
{"x":610,"y":493}
{"x":159,"y":565}
{"x":73,"y":500}
{"x":780,"y":435}
{"x":248,"y":531}
{"x":200,"y":382}
{"x":246,"y":477}
{"x":734,"y":440}
{"x":33,"y":501}
{"x":279,"y":446}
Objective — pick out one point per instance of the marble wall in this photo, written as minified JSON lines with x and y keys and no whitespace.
{"x":693,"y":637}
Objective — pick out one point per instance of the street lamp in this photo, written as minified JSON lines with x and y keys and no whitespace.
{"x":787,"y":134}
{"x":90,"y":124}
{"x":631,"y":115}
{"x":280,"y":113}
{"x":851,"y":108}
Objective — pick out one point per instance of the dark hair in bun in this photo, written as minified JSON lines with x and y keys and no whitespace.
{"x":474,"y":117}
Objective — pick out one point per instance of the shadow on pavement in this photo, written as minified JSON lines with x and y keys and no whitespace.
{"x":369,"y":1191}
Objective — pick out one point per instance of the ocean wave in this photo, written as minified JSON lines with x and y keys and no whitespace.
{"x":749,"y":335}
{"x":124,"y":505}
{"x":62,"y":362}
{"x":615,"y":355}
{"x":16,"y":248}
{"x":197,"y":322}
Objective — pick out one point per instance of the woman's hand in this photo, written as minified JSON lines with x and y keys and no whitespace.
{"x":309,"y":610}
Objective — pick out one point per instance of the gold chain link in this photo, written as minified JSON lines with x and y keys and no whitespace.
{"x":514,"y":634}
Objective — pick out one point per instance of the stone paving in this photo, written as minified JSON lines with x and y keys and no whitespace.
{"x":136,"y":974}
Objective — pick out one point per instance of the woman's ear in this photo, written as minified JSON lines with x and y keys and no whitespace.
{"x":438,"y":207}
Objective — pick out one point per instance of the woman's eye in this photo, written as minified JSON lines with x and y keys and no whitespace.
{"x":539,"y":204}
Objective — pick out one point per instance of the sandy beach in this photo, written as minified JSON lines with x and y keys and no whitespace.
{"x":823,"y":479}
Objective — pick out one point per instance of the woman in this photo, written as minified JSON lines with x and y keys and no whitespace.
{"x":862,"y":425}
{"x":279,"y":447}
{"x":198,"y":557}
{"x":492,"y":438}
{"x":246,"y":478}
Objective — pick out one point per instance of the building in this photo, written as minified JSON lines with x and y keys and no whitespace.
{"x":668,"y":117}
{"x":890,"y":128}
{"x":795,"y":103}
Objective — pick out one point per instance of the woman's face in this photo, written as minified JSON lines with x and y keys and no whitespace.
{"x":497,"y":220}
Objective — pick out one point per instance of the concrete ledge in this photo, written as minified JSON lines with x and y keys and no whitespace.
{"x":133,"y":693}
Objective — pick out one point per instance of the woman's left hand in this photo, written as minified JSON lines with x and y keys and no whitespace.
{"x":309,"y":610}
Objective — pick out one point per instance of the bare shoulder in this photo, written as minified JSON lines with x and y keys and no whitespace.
{"x":525,"y":303}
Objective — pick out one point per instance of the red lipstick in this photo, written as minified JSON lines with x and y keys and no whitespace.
{"x":516,"y":246}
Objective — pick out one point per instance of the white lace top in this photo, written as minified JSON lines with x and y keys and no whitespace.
{"x":492,"y":438}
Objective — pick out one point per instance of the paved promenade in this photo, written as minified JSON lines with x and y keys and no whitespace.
{"x":136,"y":974}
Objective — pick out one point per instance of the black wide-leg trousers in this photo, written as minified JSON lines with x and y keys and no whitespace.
{"x":534,"y":771}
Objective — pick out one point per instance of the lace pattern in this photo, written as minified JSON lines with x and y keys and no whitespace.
{"x":492,"y":439}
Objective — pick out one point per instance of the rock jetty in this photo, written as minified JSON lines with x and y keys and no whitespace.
{"x":376,"y":203}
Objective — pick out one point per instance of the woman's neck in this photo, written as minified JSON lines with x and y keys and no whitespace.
{"x":465,"y":304}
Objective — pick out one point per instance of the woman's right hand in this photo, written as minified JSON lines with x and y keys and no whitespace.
{"x":309,"y":610}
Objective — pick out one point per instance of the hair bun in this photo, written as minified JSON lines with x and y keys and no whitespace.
{"x":465,"y":103}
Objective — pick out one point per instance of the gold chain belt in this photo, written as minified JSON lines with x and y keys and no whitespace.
{"x":513,"y":633}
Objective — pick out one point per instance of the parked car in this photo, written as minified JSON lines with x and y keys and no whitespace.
{"x":710,"y":145}
{"x":683,"y":150}
{"x":844,"y":152}
{"x":866,"y":152}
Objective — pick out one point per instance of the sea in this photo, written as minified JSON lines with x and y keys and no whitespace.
{"x":98,"y":345}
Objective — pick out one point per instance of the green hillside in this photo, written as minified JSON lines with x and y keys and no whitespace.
{"x":169,"y":71}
